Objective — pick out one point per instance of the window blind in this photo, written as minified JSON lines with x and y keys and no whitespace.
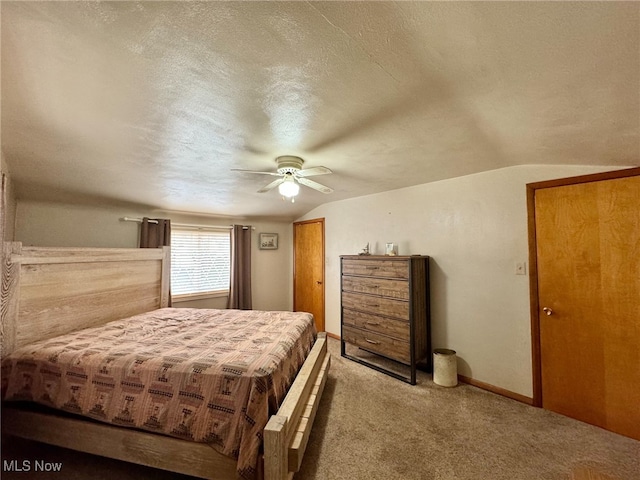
{"x":200,"y":261}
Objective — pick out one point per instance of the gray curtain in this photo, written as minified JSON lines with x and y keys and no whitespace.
{"x":240,"y":285}
{"x":155,"y":232}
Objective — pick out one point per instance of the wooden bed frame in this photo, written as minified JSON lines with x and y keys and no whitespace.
{"x":47,"y":292}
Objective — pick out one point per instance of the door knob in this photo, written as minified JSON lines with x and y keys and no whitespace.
{"x":318,"y":282}
{"x":547,"y":310}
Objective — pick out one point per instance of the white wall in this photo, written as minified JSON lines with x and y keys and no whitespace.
{"x":475,"y":230}
{"x":55,"y":224}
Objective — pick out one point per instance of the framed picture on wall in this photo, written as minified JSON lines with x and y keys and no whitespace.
{"x":268,"y":241}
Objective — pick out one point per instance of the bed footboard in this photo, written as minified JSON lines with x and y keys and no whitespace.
{"x":157,"y":451}
{"x":287,"y":432}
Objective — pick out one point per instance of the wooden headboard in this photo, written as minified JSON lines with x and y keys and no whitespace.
{"x":49,"y":291}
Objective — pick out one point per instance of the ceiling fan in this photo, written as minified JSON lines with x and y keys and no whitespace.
{"x":292,"y":176}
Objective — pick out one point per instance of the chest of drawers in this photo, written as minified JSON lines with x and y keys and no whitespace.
{"x":385,"y":311}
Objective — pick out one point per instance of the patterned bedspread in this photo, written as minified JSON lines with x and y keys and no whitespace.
{"x":209,"y":376}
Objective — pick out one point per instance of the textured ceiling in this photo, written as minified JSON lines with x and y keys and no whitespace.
{"x":152,"y":103}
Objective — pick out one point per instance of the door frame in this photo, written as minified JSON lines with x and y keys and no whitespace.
{"x":321,"y":222}
{"x":533,"y":262}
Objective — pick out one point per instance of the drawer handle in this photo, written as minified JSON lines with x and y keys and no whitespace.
{"x":373,"y":323}
{"x":374,"y":305}
{"x":371,"y":341}
{"x":371,"y":267}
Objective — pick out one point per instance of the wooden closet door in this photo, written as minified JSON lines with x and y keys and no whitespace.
{"x":588,"y":268}
{"x":308,"y":269}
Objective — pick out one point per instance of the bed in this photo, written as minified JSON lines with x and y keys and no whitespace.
{"x":69,"y":298}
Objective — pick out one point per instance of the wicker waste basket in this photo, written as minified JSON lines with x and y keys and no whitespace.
{"x":445,"y":367}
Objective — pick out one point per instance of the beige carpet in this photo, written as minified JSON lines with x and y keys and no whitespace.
{"x":372,"y":426}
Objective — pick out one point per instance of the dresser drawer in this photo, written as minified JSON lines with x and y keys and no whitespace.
{"x":376,"y":305}
{"x":381,"y":344}
{"x":388,"y":326}
{"x":376,"y":268}
{"x":377,"y":286}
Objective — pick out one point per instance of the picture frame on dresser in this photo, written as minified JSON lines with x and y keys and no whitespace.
{"x":390,"y":249}
{"x":385,"y":313}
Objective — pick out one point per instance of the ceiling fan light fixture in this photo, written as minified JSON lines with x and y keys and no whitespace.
{"x":289,"y":188}
{"x":291,"y":176}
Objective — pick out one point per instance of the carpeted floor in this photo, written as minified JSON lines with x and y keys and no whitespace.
{"x":372,"y":426}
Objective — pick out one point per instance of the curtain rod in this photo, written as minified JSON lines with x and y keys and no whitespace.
{"x":188,"y":225}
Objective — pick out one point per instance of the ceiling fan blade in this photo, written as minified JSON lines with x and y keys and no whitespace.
{"x":271,"y":186}
{"x":308,"y":172}
{"x":315,"y":185}
{"x":254,"y":171}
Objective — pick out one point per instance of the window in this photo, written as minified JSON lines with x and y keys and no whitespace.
{"x":200,"y":262}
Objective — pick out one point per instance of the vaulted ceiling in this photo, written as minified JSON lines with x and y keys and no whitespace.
{"x":153,"y":103}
